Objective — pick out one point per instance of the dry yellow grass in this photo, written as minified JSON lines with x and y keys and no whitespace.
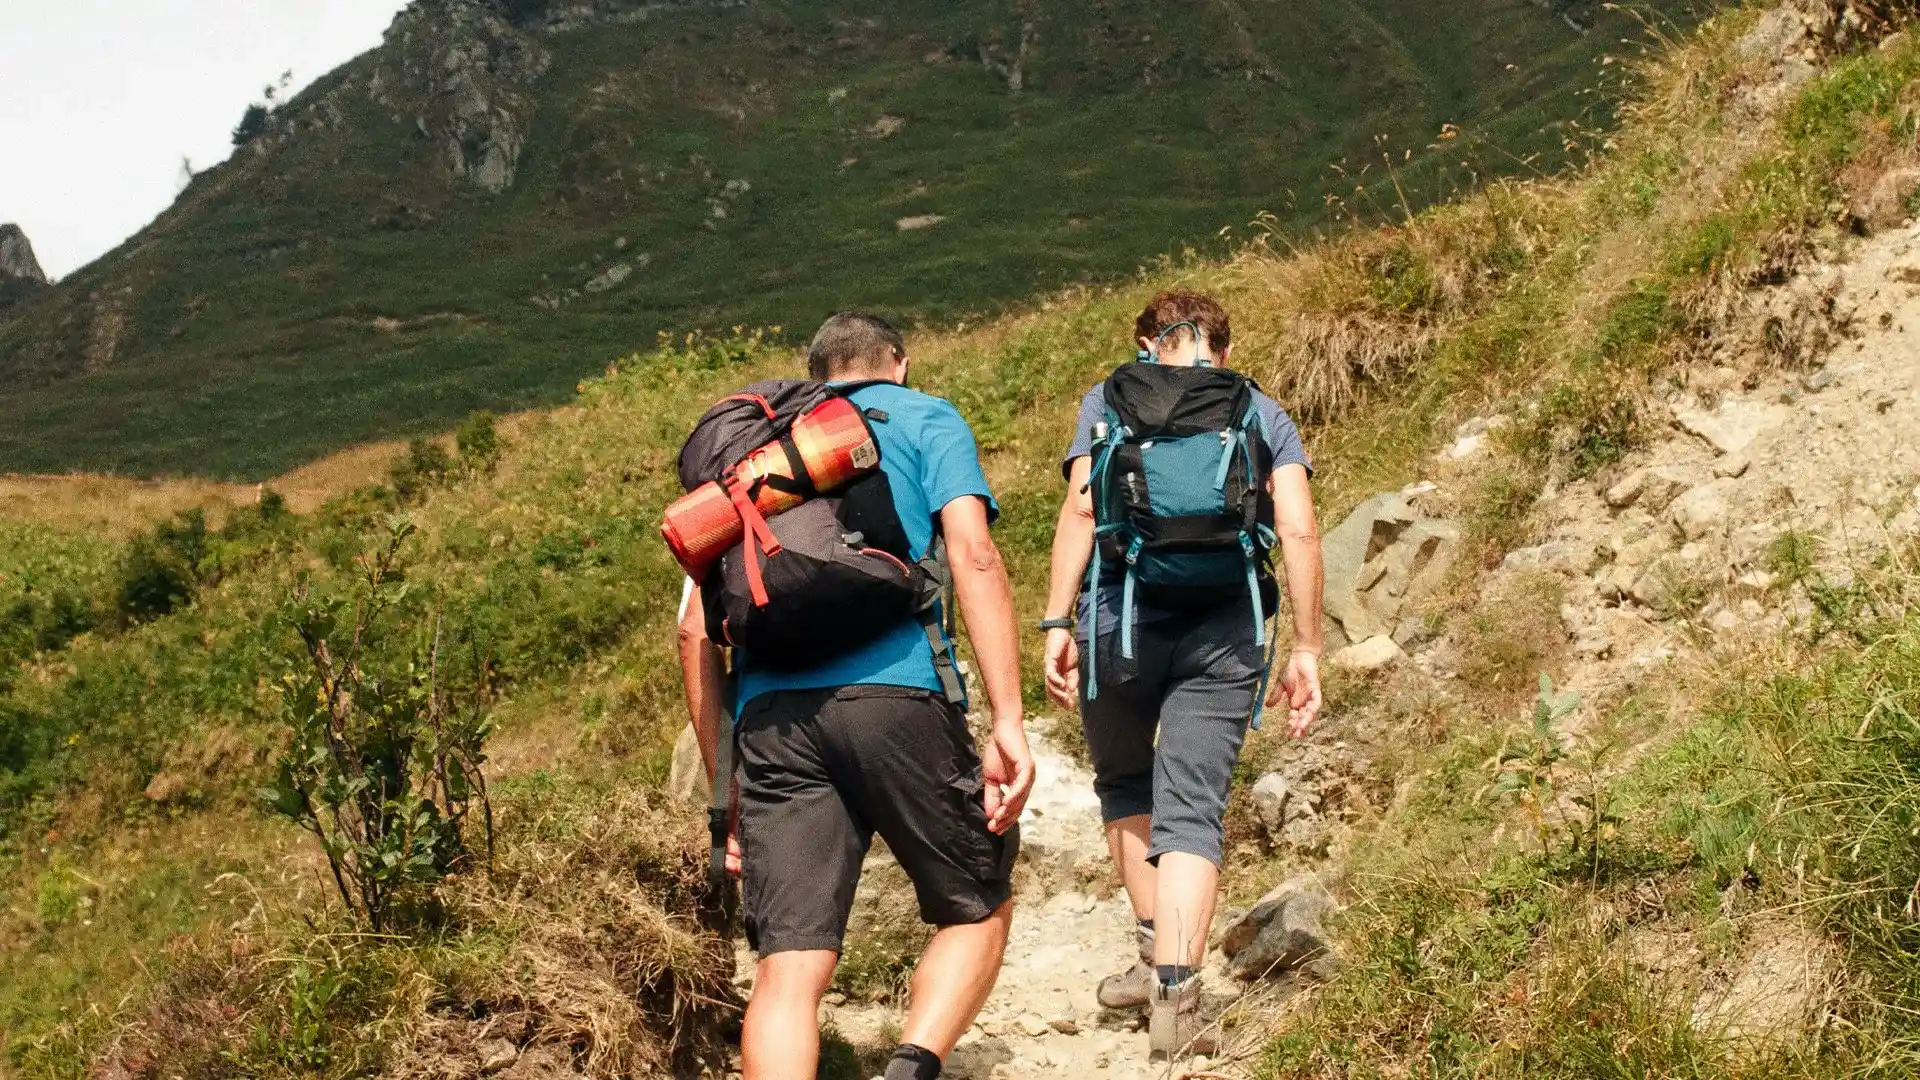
{"x":123,"y":505}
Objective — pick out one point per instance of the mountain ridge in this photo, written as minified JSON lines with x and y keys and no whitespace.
{"x":501,"y":198}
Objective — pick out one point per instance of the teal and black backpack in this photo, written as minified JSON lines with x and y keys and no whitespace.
{"x":1181,"y":510}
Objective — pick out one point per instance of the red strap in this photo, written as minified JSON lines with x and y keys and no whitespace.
{"x":759,"y":536}
{"x":759,"y":399}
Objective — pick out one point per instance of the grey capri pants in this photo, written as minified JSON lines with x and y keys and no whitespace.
{"x":1192,"y":680}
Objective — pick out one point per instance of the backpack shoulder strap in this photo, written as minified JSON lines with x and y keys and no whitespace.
{"x":935,"y":616}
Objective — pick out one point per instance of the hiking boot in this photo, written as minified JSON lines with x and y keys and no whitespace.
{"x":1176,"y":1028}
{"x":1132,"y":988}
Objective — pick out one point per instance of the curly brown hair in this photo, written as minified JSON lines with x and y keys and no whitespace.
{"x":1175,"y":306}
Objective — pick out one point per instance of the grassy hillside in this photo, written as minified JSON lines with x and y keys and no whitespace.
{"x":747,"y":165}
{"x":164,"y":925}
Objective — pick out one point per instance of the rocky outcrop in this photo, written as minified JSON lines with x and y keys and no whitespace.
{"x":1380,"y":562}
{"x":462,"y":71}
{"x":17,"y":263}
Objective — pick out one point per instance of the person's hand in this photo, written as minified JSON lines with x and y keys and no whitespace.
{"x":1007,"y":767}
{"x":733,"y":852}
{"x":1063,"y":668}
{"x":1299,"y":689}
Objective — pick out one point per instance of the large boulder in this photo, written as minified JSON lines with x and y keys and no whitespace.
{"x":1384,"y":558}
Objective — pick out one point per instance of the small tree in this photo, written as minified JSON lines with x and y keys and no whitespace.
{"x":479,"y":443}
{"x":384,"y":767}
{"x":252,"y":123}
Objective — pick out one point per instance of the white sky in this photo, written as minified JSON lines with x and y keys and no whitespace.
{"x":100,"y":99}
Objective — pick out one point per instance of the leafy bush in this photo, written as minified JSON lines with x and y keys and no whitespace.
{"x":163,"y":568}
{"x":425,"y":466}
{"x":384,"y":766}
{"x":479,"y":443}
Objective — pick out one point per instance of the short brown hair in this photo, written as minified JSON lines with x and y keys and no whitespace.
{"x":1175,"y":306}
{"x":853,"y":343}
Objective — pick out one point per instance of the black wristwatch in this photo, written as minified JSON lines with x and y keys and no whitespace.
{"x":1056,"y":624}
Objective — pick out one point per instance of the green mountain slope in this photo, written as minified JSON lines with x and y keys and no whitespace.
{"x":353,"y":273}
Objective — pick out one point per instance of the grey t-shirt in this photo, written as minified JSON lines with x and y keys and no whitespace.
{"x":1276,"y":428}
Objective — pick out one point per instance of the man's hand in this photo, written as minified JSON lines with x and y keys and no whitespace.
{"x":1063,"y":668}
{"x":1007,"y":767}
{"x":1299,"y":688}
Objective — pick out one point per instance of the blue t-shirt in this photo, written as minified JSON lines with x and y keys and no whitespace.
{"x":930,"y":458}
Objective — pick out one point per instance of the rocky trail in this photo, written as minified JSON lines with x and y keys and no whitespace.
{"x":1042,"y":1022}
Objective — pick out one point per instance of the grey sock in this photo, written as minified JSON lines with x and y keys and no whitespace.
{"x":1173,"y":974}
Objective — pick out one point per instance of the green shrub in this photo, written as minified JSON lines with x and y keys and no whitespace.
{"x":384,"y":765}
{"x":163,"y":568}
{"x":479,"y":443}
{"x":425,"y":466}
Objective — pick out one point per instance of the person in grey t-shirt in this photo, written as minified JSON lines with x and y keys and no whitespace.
{"x":1191,"y":680}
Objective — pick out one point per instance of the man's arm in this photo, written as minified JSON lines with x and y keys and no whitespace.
{"x":1072,"y":550}
{"x":1294,"y":520}
{"x":702,"y":670}
{"x":986,"y":603}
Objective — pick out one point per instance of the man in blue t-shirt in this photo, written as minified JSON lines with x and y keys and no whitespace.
{"x":868,"y":742}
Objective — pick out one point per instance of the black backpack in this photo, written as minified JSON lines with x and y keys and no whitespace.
{"x":1182,"y":515}
{"x":828,"y":575}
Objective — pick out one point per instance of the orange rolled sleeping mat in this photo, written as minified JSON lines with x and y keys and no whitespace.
{"x":831,"y":444}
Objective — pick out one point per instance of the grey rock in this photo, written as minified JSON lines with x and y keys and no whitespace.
{"x":1654,"y":587}
{"x":16,"y":257}
{"x":496,"y":1055}
{"x":1774,"y":37}
{"x":1383,"y":557}
{"x":609,"y":278}
{"x":688,"y":780}
{"x":1283,"y":933}
{"x":1373,"y":654}
{"x":1732,"y":467}
{"x":1815,"y":381}
{"x":1884,"y":206}
{"x":1270,"y":794}
{"x":1558,"y":555}
{"x":1652,"y":489}
{"x":1734,"y":426}
{"x":1627,"y":491}
{"x":1703,"y":512}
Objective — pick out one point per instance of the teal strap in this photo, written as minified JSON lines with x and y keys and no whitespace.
{"x":1093,"y":623}
{"x":1126,"y":600}
{"x":1260,"y":636}
{"x":1253,"y":590}
{"x":1266,"y":680}
{"x":1230,"y":441}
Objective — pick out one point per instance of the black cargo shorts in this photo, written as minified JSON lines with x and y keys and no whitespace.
{"x":821,"y":771}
